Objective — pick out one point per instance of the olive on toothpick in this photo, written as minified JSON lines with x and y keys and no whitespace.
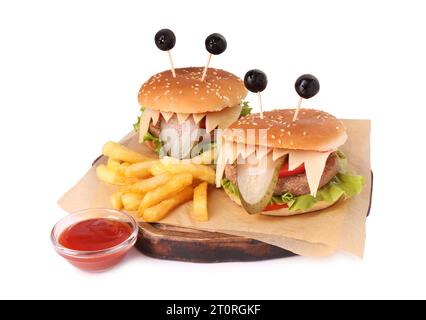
{"x":165,"y":40}
{"x":306,"y":87}
{"x":256,"y":81}
{"x":215,"y":44}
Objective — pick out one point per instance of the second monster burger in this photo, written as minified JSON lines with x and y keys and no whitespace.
{"x":179,"y":114}
{"x":274,"y":165}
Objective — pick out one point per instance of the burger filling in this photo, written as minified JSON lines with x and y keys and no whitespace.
{"x":292,"y":188}
{"x":202,"y":141}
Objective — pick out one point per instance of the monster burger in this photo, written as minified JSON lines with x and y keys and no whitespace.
{"x":179,"y":114}
{"x":276,"y":166}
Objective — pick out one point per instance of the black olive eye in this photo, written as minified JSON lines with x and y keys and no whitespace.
{"x":165,"y":39}
{"x":216,"y":44}
{"x":255,"y":80}
{"x":307,"y":86}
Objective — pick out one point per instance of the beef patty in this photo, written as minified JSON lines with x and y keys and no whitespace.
{"x":296,"y":185}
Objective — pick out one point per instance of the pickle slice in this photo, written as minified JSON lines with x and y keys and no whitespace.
{"x":257,"y":181}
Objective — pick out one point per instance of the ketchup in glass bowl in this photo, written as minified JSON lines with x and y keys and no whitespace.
{"x":95,"y":239}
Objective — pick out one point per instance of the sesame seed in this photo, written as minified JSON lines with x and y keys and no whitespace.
{"x":156,"y":98}
{"x":304,"y":133}
{"x":166,"y":92}
{"x":337,"y":128}
{"x":291,"y":143}
{"x":171,"y":98}
{"x":202,"y":98}
{"x":279,"y":140}
{"x":180,"y":91}
{"x":289,"y":133}
{"x":282,"y":130}
{"x":273,"y":136}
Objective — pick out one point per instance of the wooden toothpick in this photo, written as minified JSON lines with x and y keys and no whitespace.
{"x":171,"y":63}
{"x":296,"y":113}
{"x":206,"y":68}
{"x":260,"y":105}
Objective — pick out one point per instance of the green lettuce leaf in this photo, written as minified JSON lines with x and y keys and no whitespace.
{"x":246,"y":110}
{"x":229,"y":186}
{"x":158,"y":144}
{"x":136,"y":125}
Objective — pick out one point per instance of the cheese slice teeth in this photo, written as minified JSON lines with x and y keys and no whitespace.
{"x":314,"y":161}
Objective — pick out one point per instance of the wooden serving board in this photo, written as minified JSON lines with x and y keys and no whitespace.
{"x":184,"y":244}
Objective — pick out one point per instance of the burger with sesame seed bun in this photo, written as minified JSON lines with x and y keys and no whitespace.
{"x":278,"y":166}
{"x":180,"y":114}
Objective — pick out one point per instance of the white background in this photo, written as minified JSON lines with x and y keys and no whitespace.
{"x":69,"y":76}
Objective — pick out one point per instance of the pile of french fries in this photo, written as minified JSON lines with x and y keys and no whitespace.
{"x":153,"y":188}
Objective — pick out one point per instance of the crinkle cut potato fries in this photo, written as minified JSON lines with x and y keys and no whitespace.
{"x":153,"y":188}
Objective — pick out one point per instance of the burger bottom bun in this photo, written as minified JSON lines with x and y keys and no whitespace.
{"x":285,"y":212}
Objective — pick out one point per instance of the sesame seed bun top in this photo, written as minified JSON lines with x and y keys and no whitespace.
{"x":188,"y":94}
{"x":314,"y":130}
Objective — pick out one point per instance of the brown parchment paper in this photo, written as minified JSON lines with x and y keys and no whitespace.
{"x":341,"y":227}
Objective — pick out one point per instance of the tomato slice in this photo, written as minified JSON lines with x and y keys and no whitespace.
{"x":284,"y":172}
{"x":273,"y":206}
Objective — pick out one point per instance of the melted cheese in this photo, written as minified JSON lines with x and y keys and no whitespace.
{"x":145,"y":120}
{"x":278,"y":153}
{"x":167,"y":115}
{"x":182,"y":117}
{"x":314,"y":166}
{"x":155,"y":115}
{"x":198,"y":117}
{"x":222,"y":119}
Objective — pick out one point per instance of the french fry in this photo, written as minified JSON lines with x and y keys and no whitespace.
{"x":198,"y":171}
{"x":116,"y":202}
{"x":114,"y":165}
{"x":157,"y":169}
{"x":106,"y":175}
{"x":200,"y":212}
{"x":140,"y":169}
{"x":113,"y":177}
{"x":176,"y":184}
{"x":159,"y":211}
{"x":119,"y":152}
{"x":131,"y":201}
{"x":147,"y":185}
{"x":123,"y":167}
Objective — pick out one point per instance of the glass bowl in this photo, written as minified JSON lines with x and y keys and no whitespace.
{"x":94,"y":260}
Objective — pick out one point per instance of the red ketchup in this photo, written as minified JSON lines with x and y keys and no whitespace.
{"x":98,"y":234}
